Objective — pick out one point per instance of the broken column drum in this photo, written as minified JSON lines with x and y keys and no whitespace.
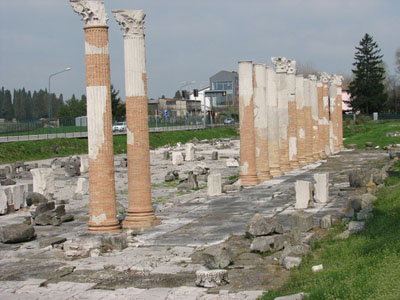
{"x":102,"y":206}
{"x":301,"y":122}
{"x":292,"y":112}
{"x":246,"y":113}
{"x":314,"y":142}
{"x":281,"y":66}
{"x":273,"y":123}
{"x":261,"y":122}
{"x":140,"y":211}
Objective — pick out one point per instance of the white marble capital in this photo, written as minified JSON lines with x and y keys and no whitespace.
{"x":131,"y":21}
{"x":312,"y":77}
{"x":93,"y":13}
{"x":324,"y":77}
{"x":281,"y":64}
{"x":337,"y":79}
{"x":292,"y":66}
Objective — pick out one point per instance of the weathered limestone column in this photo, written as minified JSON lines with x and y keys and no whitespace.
{"x":333,"y":121}
{"x":273,"y":123}
{"x":309,"y":111}
{"x":292,"y":111}
{"x":261,"y":122}
{"x":281,"y":65}
{"x":248,"y":174}
{"x":313,"y":94}
{"x":320,"y":141}
{"x":337,"y":81}
{"x":140,"y":212}
{"x":102,"y":207}
{"x":325,"y":114}
{"x":301,"y":122}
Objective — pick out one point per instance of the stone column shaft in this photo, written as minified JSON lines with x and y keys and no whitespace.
{"x":102,"y":206}
{"x":325,"y":119}
{"x":309,"y":112}
{"x":301,"y":122}
{"x":140,"y":211}
{"x":333,"y":122}
{"x":261,"y":122}
{"x":273,"y":123}
{"x":292,"y":115}
{"x":321,"y":146}
{"x":248,"y":174}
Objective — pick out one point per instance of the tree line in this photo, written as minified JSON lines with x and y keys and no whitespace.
{"x":26,"y":106}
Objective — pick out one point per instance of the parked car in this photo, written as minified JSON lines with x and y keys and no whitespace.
{"x":119,"y":126}
{"x":229,"y":121}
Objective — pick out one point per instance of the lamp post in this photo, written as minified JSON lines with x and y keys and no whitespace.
{"x":51,"y":75}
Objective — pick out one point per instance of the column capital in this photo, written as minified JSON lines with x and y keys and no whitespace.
{"x":336,"y":79}
{"x":281,"y":64}
{"x":312,"y":77}
{"x":292,"y":66}
{"x":131,"y":21}
{"x":93,"y":12}
{"x":324,"y":77}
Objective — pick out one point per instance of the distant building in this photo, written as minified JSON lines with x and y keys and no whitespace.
{"x":224,"y":89}
{"x":204,"y":103}
{"x":178,"y":107}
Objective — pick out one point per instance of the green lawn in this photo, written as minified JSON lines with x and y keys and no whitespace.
{"x":371,"y":132}
{"x":33,"y":150}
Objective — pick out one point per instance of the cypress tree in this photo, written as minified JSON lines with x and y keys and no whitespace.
{"x":367,"y":88}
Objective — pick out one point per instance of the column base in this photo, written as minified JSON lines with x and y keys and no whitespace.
{"x":249,"y":179}
{"x":316,"y":156}
{"x":140,"y":220}
{"x":285,"y":167}
{"x":262,"y":176}
{"x":294,"y":164}
{"x":311,"y":159}
{"x":323,"y":155}
{"x":275,"y":172}
{"x":302,"y":162}
{"x":108,"y":228}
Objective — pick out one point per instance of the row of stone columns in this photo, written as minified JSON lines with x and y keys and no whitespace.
{"x":102,"y":207}
{"x":286,"y":121}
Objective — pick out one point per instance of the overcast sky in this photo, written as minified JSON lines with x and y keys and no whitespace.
{"x":188,"y":40}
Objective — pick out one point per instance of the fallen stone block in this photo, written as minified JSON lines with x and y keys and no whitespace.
{"x":299,"y":296}
{"x":211,"y":278}
{"x":33,"y":198}
{"x":231,"y":188}
{"x":232,"y":163}
{"x":308,"y":238}
{"x":271,"y":242}
{"x":302,"y":220}
{"x":356,"y":226}
{"x":290,"y":262}
{"x":317,"y":268}
{"x":214,"y":187}
{"x":294,"y":251}
{"x":177,"y":158}
{"x":367,"y":199}
{"x":82,"y":186}
{"x":214,"y":155}
{"x":52,"y":241}
{"x":45,"y":218}
{"x":5,"y":199}
{"x":60,"y":210}
{"x":43,"y":207}
{"x":84,"y":168}
{"x":261,"y":226}
{"x":16,"y":233}
{"x":166,"y":155}
{"x":43,"y":181}
{"x":321,"y":187}
{"x":217,"y":257}
{"x":7,"y":182}
{"x":326,"y":222}
{"x":364,"y":214}
{"x":67,"y":218}
{"x":304,"y":195}
{"x":189,"y":152}
{"x":342,"y":236}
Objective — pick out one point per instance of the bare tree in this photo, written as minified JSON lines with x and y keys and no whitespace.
{"x":306,"y":69}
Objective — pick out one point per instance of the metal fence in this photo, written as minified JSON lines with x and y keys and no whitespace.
{"x":381,"y":116}
{"x":75,"y":128}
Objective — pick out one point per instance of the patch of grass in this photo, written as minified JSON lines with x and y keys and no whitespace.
{"x":366,"y":266}
{"x":371,"y":132}
{"x":233,"y":177}
{"x":161,"y":199}
{"x":34,"y":150}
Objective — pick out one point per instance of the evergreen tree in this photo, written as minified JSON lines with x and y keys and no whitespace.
{"x":1,"y":100}
{"x":178,"y":95}
{"x":117,"y":107}
{"x":367,"y":88}
{"x":7,"y":110}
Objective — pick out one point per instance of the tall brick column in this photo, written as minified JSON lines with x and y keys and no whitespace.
{"x":292,"y":111}
{"x":273,"y":123}
{"x":309,"y":112}
{"x":140,"y":212}
{"x":248,"y":174}
{"x":261,"y":122}
{"x":301,"y":122}
{"x":102,"y":207}
{"x":324,"y":77}
{"x":281,"y":66}
{"x":312,"y":86}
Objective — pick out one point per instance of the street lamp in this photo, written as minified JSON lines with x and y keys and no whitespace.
{"x":51,"y":75}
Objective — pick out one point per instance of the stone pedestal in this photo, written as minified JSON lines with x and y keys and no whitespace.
{"x":102,"y":207}
{"x":43,"y":182}
{"x":189,"y":152}
{"x":261,"y":122}
{"x":214,"y":185}
{"x":140,"y":211}
{"x":321,"y":187}
{"x":281,"y":65}
{"x":303,"y":194}
{"x":273,"y":123}
{"x":301,"y":122}
{"x":248,"y":174}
